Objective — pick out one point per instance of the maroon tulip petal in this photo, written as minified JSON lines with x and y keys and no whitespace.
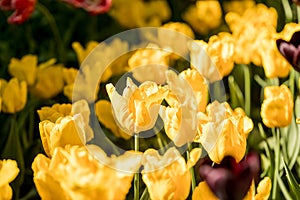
{"x":290,"y":50}
{"x":295,"y":39}
{"x":231,"y":180}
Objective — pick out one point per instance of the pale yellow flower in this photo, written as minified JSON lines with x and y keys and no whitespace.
{"x":81,"y":52}
{"x":180,"y":117}
{"x":277,"y":107}
{"x":24,"y":69}
{"x":8,"y":172}
{"x":168,"y":176}
{"x":104,"y":114}
{"x":138,"y":13}
{"x":214,"y":59}
{"x":149,"y":64}
{"x":204,"y":16}
{"x":13,"y":95}
{"x":203,"y":192}
{"x":174,"y":31}
{"x":137,"y":108}
{"x":65,"y":124}
{"x":73,"y":173}
{"x":223,"y":131}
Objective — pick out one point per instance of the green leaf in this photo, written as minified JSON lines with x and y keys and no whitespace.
{"x":295,"y":188}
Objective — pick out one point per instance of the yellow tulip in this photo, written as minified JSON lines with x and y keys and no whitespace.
{"x":8,"y":172}
{"x":49,"y":81}
{"x":54,"y":112}
{"x":24,"y":69}
{"x":137,"y":108}
{"x":13,"y":95}
{"x":65,"y":124}
{"x":181,"y":27}
{"x":105,"y":116}
{"x":203,"y":192}
{"x":204,"y":16}
{"x":249,"y":30}
{"x":274,"y":64}
{"x":219,"y":54}
{"x":277,"y":107}
{"x":138,"y":13}
{"x":223,"y":131}
{"x":168,"y":177}
{"x":180,"y":117}
{"x":81,"y":52}
{"x":238,"y":7}
{"x":74,"y":173}
{"x":149,"y":64}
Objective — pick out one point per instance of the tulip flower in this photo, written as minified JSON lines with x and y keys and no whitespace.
{"x":105,"y":116}
{"x":93,"y":7}
{"x":223,"y":131}
{"x":137,"y":108}
{"x":229,"y":179}
{"x":13,"y":95}
{"x":22,"y":9}
{"x":168,"y":176}
{"x":180,"y":117}
{"x":44,"y":80}
{"x":277,"y":107}
{"x":8,"y":172}
{"x":65,"y":124}
{"x":149,"y":64}
{"x":84,"y":173}
{"x":204,"y":16}
{"x":291,"y":50}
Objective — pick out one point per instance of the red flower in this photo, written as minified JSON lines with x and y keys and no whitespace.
{"x":23,"y":9}
{"x":94,"y":7}
{"x":291,"y":50}
{"x":230,"y":180}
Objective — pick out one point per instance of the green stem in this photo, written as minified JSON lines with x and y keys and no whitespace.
{"x":287,"y":11}
{"x":247,"y":90}
{"x":298,"y":13}
{"x":194,"y":184}
{"x":292,"y":81}
{"x":277,"y":159}
{"x":136,"y":175}
{"x":54,"y":28}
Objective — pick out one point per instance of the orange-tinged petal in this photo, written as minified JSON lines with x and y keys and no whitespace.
{"x":203,"y":192}
{"x":277,"y":107}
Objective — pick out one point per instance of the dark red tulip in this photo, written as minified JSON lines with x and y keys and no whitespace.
{"x":230,"y":180}
{"x":22,"y":9}
{"x":291,"y":50}
{"x":93,"y":7}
